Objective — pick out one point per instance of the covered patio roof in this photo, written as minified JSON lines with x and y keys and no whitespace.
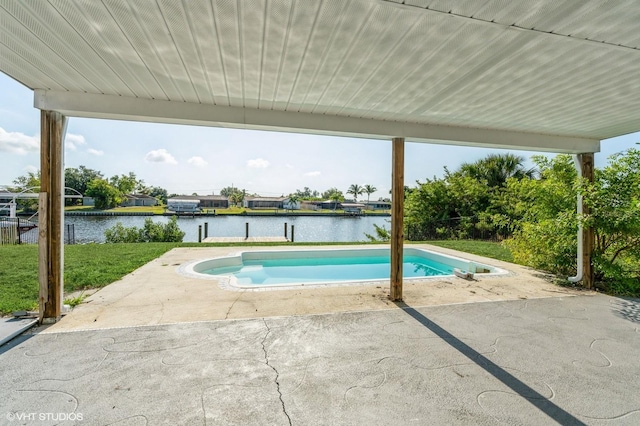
{"x":544,"y":75}
{"x":540,"y":75}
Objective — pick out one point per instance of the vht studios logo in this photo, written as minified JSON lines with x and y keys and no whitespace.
{"x":54,"y":417}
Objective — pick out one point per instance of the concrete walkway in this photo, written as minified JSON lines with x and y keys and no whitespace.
{"x":11,"y":327}
{"x":159,"y":347}
{"x":566,"y":360}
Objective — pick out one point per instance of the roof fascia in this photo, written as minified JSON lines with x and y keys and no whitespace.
{"x":161,"y":111}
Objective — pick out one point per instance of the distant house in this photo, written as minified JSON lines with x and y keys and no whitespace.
{"x":180,"y":205}
{"x":88,"y":201}
{"x":330,"y":205}
{"x":264,"y":202}
{"x":353,"y":208}
{"x":213,"y":201}
{"x":310,"y":205}
{"x":377,"y":205}
{"x":204,"y":201}
{"x":133,"y":200}
{"x":287,"y":204}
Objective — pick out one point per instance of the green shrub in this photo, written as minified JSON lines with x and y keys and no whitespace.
{"x":151,"y":232}
{"x":545,"y":237}
{"x":382,"y":234}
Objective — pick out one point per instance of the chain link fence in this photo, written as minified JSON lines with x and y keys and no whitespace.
{"x":22,"y":231}
{"x":459,"y":228}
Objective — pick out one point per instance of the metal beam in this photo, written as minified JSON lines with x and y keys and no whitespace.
{"x":51,"y":215}
{"x":397,"y":219}
{"x":161,"y":111}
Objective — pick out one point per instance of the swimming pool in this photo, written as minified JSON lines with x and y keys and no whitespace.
{"x":278,"y":268}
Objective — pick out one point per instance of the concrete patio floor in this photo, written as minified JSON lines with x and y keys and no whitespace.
{"x":532,"y":354}
{"x":157,"y":294}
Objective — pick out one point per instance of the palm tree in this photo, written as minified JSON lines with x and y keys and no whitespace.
{"x":293,"y":199}
{"x":336,"y":197}
{"x":369,"y":189}
{"x":497,"y":168}
{"x":356,"y":190}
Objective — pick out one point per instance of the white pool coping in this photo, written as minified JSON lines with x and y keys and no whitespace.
{"x":194,"y":268}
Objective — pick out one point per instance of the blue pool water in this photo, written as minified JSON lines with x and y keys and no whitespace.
{"x":327,"y":269}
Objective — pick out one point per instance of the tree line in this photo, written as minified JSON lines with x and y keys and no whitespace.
{"x":111,"y":192}
{"x":106,"y":192}
{"x":533,"y":211}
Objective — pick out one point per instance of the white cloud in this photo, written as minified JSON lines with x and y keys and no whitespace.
{"x":197,"y":161}
{"x":72,"y":141}
{"x":258,"y":163}
{"x":18,"y":143}
{"x":95,"y":152}
{"x":160,"y":156}
{"x":31,"y":168}
{"x":313,"y":174}
{"x":289,"y":166}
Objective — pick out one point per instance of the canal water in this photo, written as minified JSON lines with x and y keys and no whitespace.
{"x":307,"y":228}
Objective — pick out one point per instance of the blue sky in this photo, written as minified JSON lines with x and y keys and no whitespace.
{"x":187,"y":159}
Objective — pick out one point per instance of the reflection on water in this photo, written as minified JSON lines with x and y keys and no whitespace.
{"x":307,"y":229}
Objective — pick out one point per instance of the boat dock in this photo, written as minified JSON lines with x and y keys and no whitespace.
{"x":245,"y":240}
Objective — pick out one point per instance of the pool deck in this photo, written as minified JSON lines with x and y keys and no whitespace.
{"x":157,"y":294}
{"x":158,"y":347}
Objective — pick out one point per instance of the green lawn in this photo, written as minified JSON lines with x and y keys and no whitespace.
{"x":86,"y":266}
{"x":481,"y":248}
{"x":97,"y":265}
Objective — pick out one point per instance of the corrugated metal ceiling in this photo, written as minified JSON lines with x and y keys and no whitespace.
{"x":544,"y":66}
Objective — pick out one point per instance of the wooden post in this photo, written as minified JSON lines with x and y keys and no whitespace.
{"x":285,"y":229}
{"x":206,"y":229}
{"x":199,"y":233}
{"x":588,"y":234}
{"x":292,"y":232}
{"x":246,"y":230}
{"x":397,"y":219}
{"x":51,"y":217}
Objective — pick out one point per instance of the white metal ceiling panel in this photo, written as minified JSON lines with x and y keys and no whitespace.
{"x":610,"y":21}
{"x":160,"y":29}
{"x":185,"y":65}
{"x":143,"y":50}
{"x":206,"y":40}
{"x":333,"y":41}
{"x":110,"y":46}
{"x":553,"y":67}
